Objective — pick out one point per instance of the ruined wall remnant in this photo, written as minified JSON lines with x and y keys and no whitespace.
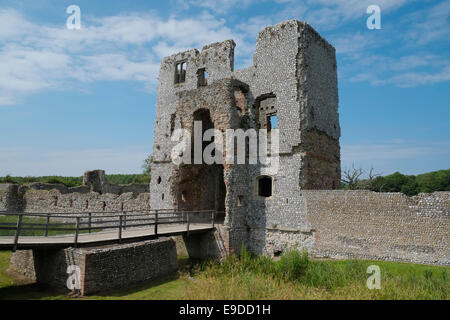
{"x":11,"y":197}
{"x":96,"y":180}
{"x":48,"y":201}
{"x":57,"y":198}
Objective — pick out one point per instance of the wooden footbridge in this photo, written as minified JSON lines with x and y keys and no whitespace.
{"x":60,"y":230}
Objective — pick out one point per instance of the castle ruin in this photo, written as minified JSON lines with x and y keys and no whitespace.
{"x":292,"y":86}
{"x":294,"y":79}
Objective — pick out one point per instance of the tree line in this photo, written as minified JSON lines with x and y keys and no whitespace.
{"x":408,"y":184}
{"x":78,"y":181}
{"x":144,"y":177}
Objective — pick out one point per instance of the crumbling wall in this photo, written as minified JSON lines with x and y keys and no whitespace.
{"x":216,"y":187}
{"x":294,"y":76}
{"x":48,"y":201}
{"x":58,"y":198}
{"x":321,"y":161}
{"x":10,"y":198}
{"x":217,"y":60}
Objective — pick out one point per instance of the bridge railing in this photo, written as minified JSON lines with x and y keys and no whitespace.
{"x":80,"y":223}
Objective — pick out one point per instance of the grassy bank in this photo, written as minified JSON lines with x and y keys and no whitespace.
{"x":293,"y":277}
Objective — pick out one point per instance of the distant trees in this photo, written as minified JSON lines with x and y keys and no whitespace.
{"x":408,"y":184}
{"x":144,"y":177}
{"x":67,"y":181}
{"x":78,"y":181}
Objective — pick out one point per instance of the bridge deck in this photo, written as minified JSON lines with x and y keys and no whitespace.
{"x":100,"y":238}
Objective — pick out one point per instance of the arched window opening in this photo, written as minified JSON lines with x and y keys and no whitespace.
{"x":180,"y":72}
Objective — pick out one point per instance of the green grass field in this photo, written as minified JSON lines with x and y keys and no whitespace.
{"x":293,"y":277}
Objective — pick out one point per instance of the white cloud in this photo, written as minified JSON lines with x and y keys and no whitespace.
{"x":163,"y":49}
{"x":117,"y":48}
{"x":128,"y":47}
{"x":13,"y":24}
{"x":328,"y":14}
{"x":351,"y":43}
{"x":413,"y":79}
{"x":406,"y":71}
{"x":429,"y":24}
{"x":218,"y":6}
{"x":117,"y":67}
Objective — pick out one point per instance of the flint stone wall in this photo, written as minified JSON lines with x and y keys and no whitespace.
{"x":101,"y":268}
{"x":369,"y":225}
{"x":10,"y":198}
{"x":57,"y":198}
{"x":43,"y":201}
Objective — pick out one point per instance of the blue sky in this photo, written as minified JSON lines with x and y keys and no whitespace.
{"x":75,"y":100}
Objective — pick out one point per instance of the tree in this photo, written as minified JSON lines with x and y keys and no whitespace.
{"x":396,"y":182}
{"x":351,"y":177}
{"x":147,"y":165}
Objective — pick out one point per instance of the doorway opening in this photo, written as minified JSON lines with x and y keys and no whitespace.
{"x":202,"y":186}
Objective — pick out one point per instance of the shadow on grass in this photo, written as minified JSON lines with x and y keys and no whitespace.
{"x":29,"y":292}
{"x":152,"y":289}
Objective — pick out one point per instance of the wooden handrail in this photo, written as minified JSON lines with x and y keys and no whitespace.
{"x":46,"y":225}
{"x":120,"y":221}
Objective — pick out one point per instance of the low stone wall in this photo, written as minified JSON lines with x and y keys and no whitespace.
{"x":380,"y":226}
{"x":48,"y":201}
{"x":57,"y":198}
{"x":102,"y":268}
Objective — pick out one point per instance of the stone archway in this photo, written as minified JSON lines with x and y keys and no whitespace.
{"x":201,"y":186}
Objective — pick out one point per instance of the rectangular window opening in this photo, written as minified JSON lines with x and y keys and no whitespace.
{"x":240,"y":201}
{"x":202,"y":77}
{"x":272,"y":122}
{"x":180,"y":72}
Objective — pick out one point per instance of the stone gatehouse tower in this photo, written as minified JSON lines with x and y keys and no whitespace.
{"x":292,"y":85}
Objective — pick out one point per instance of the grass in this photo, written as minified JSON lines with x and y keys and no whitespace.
{"x":33,"y":233}
{"x":293,"y":277}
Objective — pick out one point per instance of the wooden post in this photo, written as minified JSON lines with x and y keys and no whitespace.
{"x":212,"y":217}
{"x":156,"y":223}
{"x":76,"y":232}
{"x":16,"y":236}
{"x":120,"y":228}
{"x":90,"y":222}
{"x":46,"y":225}
{"x":188,"y":223}
{"x":125,"y":221}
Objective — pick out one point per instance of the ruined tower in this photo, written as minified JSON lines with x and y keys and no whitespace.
{"x":292,"y":86}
